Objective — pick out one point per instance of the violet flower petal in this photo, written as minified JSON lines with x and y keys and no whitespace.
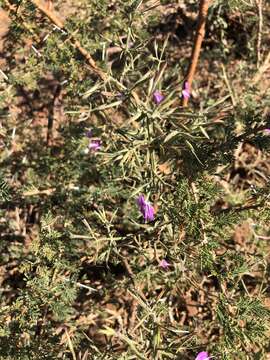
{"x":94,"y":145}
{"x":148,"y":212}
{"x":141,"y":203}
{"x":158,"y":97}
{"x":88,"y":133}
{"x":203,"y":355}
{"x":164,"y":264}
{"x":186,"y":94}
{"x":145,"y":208}
{"x":186,"y":90}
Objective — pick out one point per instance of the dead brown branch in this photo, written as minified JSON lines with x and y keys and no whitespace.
{"x":200,"y":32}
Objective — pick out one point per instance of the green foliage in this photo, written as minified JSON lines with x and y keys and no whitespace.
{"x":4,"y":190}
{"x":81,"y":269}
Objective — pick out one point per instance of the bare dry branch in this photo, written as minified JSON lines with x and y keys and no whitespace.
{"x":200,"y":32}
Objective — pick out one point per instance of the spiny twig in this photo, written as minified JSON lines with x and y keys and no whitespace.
{"x":227,"y":82}
{"x":58,"y":22}
{"x":200,"y":32}
{"x":195,"y":194}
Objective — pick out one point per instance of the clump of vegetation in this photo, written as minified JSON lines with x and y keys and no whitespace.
{"x":133,"y":227}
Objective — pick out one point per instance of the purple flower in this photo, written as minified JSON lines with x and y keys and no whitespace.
{"x":145,"y":208}
{"x":158,"y":97}
{"x":186,"y":90}
{"x":88,"y":133}
{"x":203,"y":355}
{"x":164,"y":264}
{"x":267,"y":131}
{"x":94,"y":145}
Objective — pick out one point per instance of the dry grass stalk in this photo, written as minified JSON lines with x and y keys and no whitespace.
{"x":259,"y":5}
